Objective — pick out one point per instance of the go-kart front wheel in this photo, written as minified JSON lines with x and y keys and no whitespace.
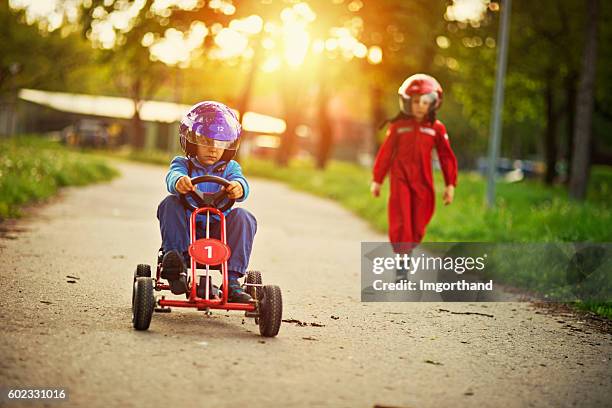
{"x":143,"y":303}
{"x":270,"y":310}
{"x":142,"y":270}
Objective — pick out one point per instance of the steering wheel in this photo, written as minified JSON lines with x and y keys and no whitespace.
{"x":218,"y":200}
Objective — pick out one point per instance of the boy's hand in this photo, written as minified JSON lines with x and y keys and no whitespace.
{"x":234,"y":190}
{"x":183,"y":185}
{"x":375,"y":189}
{"x":449,"y":195}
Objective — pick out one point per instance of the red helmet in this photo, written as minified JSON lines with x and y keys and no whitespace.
{"x":420,"y":84}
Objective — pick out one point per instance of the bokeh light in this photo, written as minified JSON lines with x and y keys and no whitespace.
{"x":467,"y":10}
{"x":375,"y":55}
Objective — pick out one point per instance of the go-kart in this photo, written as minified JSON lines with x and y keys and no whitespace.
{"x":206,"y":254}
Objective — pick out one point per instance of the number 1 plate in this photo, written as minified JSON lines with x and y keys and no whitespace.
{"x":209,"y":251}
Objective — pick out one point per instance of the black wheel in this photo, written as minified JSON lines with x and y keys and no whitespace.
{"x":143,"y":303}
{"x":142,"y":270}
{"x":253,"y":277}
{"x":270,"y":310}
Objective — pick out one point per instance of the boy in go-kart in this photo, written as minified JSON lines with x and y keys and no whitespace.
{"x":209,"y":135}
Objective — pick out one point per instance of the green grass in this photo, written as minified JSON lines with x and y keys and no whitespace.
{"x":525,"y":211}
{"x":33,"y":168}
{"x":601,"y":308}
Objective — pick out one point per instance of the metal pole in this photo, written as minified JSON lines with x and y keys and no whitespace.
{"x":208,"y":266}
{"x":498,"y":100}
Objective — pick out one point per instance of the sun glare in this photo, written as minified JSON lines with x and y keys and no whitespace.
{"x":230,"y":43}
{"x":250,"y":25}
{"x":295,"y":36}
{"x":49,"y":14}
{"x":467,"y":10}
{"x":176,"y":48}
{"x":222,"y":6}
{"x":287,"y":40}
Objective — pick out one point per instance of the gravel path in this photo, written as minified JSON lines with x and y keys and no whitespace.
{"x":76,"y":332}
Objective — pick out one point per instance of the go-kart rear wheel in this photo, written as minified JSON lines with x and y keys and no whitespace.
{"x":270,"y":310}
{"x":143,"y":303}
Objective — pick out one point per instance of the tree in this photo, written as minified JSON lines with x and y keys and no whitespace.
{"x":406,"y":32}
{"x":33,"y":57}
{"x":401,"y":40}
{"x":541,"y":80}
{"x":584,"y":107}
{"x":133,"y":71}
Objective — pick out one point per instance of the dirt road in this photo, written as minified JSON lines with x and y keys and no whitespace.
{"x":79,"y":336}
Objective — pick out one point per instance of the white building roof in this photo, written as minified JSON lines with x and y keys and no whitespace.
{"x":123,"y":108}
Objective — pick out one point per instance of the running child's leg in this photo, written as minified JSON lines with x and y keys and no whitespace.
{"x":400,"y":215}
{"x":423,"y":197}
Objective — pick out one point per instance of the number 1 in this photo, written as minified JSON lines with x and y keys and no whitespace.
{"x":208,"y":251}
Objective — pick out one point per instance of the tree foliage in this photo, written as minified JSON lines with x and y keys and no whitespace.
{"x":546,"y":44}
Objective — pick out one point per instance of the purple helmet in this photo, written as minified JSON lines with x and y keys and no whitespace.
{"x":212,"y":124}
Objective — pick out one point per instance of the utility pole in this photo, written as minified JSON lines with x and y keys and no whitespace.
{"x":498,"y":100}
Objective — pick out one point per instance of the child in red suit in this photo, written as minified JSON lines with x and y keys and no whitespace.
{"x":406,"y":152}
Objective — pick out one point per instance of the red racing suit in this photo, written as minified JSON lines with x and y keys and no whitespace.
{"x":406,"y":152}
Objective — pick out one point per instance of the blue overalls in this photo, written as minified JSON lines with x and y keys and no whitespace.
{"x":241,"y":225}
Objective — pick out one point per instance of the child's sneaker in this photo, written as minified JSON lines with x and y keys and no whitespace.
{"x":174,"y":270}
{"x":236,"y":293}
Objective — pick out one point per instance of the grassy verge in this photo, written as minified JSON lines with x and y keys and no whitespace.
{"x":600,"y":308}
{"x":33,"y":168}
{"x":525,"y":211}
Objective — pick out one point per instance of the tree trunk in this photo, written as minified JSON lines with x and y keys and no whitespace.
{"x":286,"y":148}
{"x":584,"y":107}
{"x":138,"y":135}
{"x":245,"y":96}
{"x":378,"y":114}
{"x":570,"y":105}
{"x":550,"y":136}
{"x":324,"y":147}
{"x":325,"y":142}
{"x":291,"y":98}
